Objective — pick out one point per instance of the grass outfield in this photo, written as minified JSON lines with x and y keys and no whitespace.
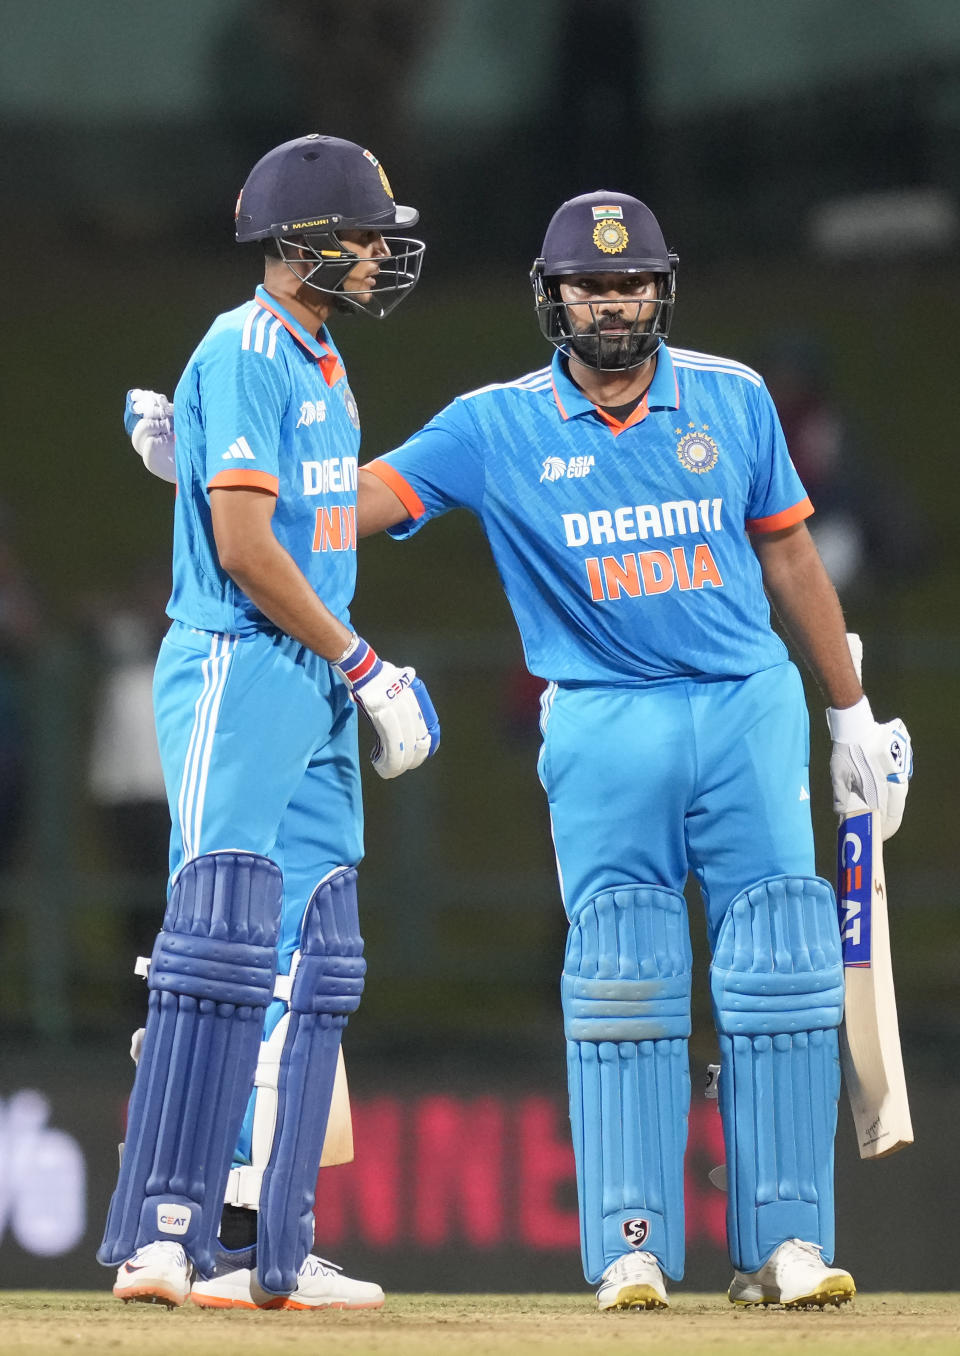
{"x":41,"y":1323}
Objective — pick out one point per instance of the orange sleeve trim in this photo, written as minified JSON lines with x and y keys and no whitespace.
{"x":778,"y":521}
{"x":245,"y":480}
{"x":393,"y":480}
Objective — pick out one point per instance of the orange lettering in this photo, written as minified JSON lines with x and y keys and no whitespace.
{"x":593,"y":575}
{"x":705,"y":568}
{"x":657,"y":571}
{"x":621,"y":575}
{"x":336,"y":529}
{"x":680,"y":563}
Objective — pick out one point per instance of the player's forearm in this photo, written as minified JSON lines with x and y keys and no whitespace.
{"x":274,"y":584}
{"x":806,"y":602}
{"x":256,"y":562}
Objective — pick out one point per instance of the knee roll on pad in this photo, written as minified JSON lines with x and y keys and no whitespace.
{"x":327,"y":982}
{"x":777,"y":989}
{"x":626,"y":1004}
{"x":211,"y":978}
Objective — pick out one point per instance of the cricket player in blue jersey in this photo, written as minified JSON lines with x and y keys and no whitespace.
{"x":641,"y":507}
{"x":258,"y":683}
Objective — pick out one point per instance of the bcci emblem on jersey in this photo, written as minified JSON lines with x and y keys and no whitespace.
{"x":698,"y":453}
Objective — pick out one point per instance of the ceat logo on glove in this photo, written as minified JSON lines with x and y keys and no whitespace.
{"x":173,"y":1219}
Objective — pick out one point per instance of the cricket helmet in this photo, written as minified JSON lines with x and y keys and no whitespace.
{"x":304,"y":192}
{"x":603,"y":233}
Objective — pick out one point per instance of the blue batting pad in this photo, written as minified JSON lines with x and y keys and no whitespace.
{"x":777,"y":988}
{"x":327,"y":985}
{"x":626,"y":1005}
{"x":211,"y":978}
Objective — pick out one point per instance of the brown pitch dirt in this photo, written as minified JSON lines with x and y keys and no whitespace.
{"x":48,"y":1323}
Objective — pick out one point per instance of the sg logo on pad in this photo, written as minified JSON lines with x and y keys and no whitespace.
{"x":635,"y":1232}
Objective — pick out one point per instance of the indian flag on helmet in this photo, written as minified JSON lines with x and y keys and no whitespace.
{"x":604,"y":213}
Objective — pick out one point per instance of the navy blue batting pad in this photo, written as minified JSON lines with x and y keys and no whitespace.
{"x":211,"y":978}
{"x":327,"y":985}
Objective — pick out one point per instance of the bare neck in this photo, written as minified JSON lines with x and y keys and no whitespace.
{"x":308,"y":307}
{"x":612,"y":388}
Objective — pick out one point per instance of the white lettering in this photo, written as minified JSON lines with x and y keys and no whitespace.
{"x":677,"y":517}
{"x":575,"y":526}
{"x":601,"y":526}
{"x":648,"y":520}
{"x":335,"y":475}
{"x":678,"y":512}
{"x":851,"y":921}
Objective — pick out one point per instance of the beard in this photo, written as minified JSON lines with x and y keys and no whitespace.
{"x":612,"y":352}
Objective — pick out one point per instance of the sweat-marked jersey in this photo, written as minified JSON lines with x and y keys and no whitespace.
{"x":622,"y":547}
{"x":263,"y":403}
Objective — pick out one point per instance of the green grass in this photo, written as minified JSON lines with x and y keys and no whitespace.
{"x":45,"y":1322}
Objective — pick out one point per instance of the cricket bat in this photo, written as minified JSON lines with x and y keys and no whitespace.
{"x":870,"y":1051}
{"x":338,"y":1141}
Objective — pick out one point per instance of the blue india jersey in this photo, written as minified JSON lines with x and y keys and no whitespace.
{"x":263,"y":403}
{"x":623,"y":548}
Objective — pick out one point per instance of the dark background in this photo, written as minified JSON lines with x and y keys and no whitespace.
{"x":803,"y":160}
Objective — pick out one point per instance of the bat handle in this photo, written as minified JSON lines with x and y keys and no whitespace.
{"x":855,"y":646}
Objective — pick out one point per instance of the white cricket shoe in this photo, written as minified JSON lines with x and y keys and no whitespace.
{"x":796,"y":1276}
{"x":320,"y":1285}
{"x":633,"y":1281}
{"x":160,"y":1273}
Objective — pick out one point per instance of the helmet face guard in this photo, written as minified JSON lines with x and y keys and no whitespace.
{"x":562,"y":323}
{"x":305,"y":193}
{"x":589,"y":236}
{"x":329,"y":262}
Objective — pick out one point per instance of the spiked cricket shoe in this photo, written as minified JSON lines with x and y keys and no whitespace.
{"x":796,"y":1276}
{"x":633,"y":1281}
{"x":320,"y":1285}
{"x":159,"y":1273}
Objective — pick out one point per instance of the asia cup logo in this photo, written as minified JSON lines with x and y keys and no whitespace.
{"x":554,"y":468}
{"x":697,"y":452}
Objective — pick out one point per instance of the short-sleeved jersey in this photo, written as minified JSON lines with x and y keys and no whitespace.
{"x":265,"y":404}
{"x":623,"y":548}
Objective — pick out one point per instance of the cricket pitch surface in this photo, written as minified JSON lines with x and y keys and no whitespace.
{"x":41,"y":1323}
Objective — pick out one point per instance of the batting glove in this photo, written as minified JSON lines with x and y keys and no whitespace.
{"x":871,"y":765}
{"x":397,"y":705}
{"x":148,"y":418}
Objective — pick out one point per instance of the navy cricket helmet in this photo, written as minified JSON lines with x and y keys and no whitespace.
{"x":600,"y":233}
{"x":305,"y":191}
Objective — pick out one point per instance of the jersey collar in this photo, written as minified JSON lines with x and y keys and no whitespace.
{"x":663,"y":393}
{"x":327,"y":357}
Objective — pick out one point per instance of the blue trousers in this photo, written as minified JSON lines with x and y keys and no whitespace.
{"x":645,"y":784}
{"x":258,"y":741}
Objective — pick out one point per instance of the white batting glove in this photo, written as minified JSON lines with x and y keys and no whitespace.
{"x":148,"y":418}
{"x":396,"y":703}
{"x":871,"y":765}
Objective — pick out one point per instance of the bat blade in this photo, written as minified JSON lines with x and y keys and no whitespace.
{"x":338,"y":1141}
{"x":870,"y":1035}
